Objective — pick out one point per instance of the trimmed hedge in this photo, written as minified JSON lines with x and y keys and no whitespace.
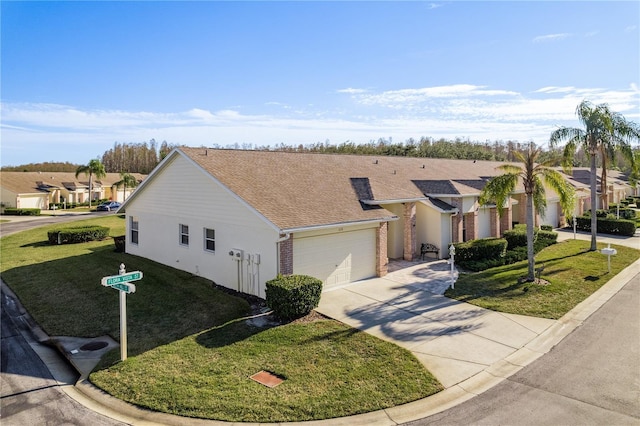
{"x":518,"y":238}
{"x":625,"y":213}
{"x":608,"y":226}
{"x":12,"y":211}
{"x":293,"y":296}
{"x":478,"y":255}
{"x":78,"y":234}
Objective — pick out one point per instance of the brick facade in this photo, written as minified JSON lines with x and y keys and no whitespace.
{"x":382,"y":261}
{"x":494,"y":222}
{"x":286,"y":256}
{"x":506,"y":219}
{"x":409,"y":231}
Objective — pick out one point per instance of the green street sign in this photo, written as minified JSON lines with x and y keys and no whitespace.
{"x":127,"y":288}
{"x":117,"y":279}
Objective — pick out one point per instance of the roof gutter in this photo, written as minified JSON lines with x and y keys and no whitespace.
{"x":335,"y":225}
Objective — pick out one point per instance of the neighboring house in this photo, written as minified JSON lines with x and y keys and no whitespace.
{"x":40,"y":189}
{"x":619,"y":186}
{"x":240,"y":218}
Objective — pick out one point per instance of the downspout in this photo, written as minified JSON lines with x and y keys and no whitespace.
{"x":278,"y":241}
{"x":451,"y":228}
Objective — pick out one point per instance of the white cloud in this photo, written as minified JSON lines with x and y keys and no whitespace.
{"x":352,"y":91}
{"x":475,"y":112}
{"x":550,"y":37}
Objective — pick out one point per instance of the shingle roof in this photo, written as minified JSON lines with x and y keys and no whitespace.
{"x":35,"y":182}
{"x":296,"y":190}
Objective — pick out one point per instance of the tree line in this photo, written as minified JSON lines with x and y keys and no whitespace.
{"x":143,"y":157}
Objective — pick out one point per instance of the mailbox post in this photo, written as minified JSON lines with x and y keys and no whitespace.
{"x":452,"y":254}
{"x":608,"y":251}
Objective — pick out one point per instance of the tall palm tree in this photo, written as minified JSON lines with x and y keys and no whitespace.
{"x":534,"y":177}
{"x":604,"y":130}
{"x":94,"y":168}
{"x":127,"y":180}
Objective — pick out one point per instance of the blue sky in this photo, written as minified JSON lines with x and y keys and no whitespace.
{"x":77,"y":77}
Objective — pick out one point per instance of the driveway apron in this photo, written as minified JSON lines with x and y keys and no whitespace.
{"x":454,"y":340}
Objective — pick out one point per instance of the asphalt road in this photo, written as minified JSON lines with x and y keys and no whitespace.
{"x":29,"y":395}
{"x":23,"y":223}
{"x":592,"y":377}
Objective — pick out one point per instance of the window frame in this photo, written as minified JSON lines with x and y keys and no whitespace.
{"x":207,"y":240}
{"x":134,"y":230}
{"x":183,"y":237}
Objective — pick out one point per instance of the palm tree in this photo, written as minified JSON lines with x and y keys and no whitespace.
{"x":534,"y":177}
{"x":604,"y":131}
{"x":94,"y":168}
{"x":127,"y":180}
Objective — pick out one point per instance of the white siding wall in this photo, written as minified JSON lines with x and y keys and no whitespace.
{"x":183,"y":194}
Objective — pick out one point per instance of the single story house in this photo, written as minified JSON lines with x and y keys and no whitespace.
{"x":240,"y":218}
{"x":619,"y":186}
{"x":40,"y":189}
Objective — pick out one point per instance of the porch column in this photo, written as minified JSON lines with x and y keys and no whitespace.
{"x":494,"y":222}
{"x":286,"y":256}
{"x":382,"y":261}
{"x":471,"y":223}
{"x":409,"y":231}
{"x":507,"y":218}
{"x":457,"y":221}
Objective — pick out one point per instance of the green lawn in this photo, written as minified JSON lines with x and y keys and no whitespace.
{"x":572,"y":271}
{"x":190,"y":351}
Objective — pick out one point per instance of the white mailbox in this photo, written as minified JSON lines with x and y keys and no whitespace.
{"x":608,"y":251}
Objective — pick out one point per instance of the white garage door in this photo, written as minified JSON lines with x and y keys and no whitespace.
{"x":32,"y":202}
{"x":336,"y":259}
{"x":551,"y":218}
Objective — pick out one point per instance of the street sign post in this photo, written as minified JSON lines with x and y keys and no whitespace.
{"x":121,"y":282}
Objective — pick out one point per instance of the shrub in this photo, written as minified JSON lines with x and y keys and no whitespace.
{"x":608,"y":226}
{"x":516,"y":237}
{"x":293,"y":296}
{"x":478,"y":255}
{"x":119,"y":242}
{"x":78,"y":234}
{"x":546,"y":228}
{"x":12,"y":211}
{"x":515,"y":255}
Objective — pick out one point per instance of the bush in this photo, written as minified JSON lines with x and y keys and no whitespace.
{"x":478,"y":255}
{"x":293,"y":296}
{"x":78,"y":234}
{"x":546,"y":228}
{"x":12,"y":211}
{"x":608,"y":226}
{"x":515,"y":255}
{"x":119,"y":242}
{"x":541,"y":238}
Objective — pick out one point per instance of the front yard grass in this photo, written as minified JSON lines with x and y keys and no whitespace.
{"x":572,"y":271}
{"x":190,"y":350}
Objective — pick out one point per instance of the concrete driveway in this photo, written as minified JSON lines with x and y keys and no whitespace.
{"x":454,"y":340}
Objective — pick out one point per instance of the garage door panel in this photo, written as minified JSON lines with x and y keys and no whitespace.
{"x":336,"y":259}
{"x":551,"y":217}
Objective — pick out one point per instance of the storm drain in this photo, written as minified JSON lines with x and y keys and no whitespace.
{"x":94,"y":346}
{"x":268,"y":379}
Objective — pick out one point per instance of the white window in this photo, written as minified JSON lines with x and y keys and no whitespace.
{"x":133,"y":226}
{"x":184,"y":234}
{"x":209,"y":239}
